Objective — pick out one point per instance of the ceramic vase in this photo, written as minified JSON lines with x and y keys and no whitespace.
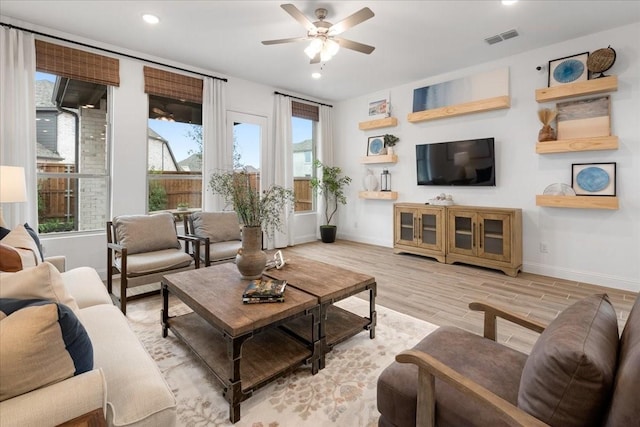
{"x":370,"y":181}
{"x":251,"y":260}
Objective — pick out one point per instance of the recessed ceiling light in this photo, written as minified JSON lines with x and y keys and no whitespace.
{"x":509,"y":2}
{"x":316,"y":75}
{"x":150,"y":19}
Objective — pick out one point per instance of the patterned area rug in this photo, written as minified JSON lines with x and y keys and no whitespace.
{"x":342,"y":394}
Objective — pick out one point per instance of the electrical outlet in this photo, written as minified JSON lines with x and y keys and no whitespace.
{"x":543,"y":248}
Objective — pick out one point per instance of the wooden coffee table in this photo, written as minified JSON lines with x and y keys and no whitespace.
{"x":328,"y":283}
{"x":240,"y":343}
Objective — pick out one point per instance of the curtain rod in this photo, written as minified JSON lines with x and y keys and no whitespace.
{"x":110,"y":51}
{"x":302,"y":99}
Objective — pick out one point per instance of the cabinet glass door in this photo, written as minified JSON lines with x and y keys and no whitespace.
{"x":461,"y":233}
{"x":405,"y":227}
{"x":495,"y":232}
{"x":430,"y":230}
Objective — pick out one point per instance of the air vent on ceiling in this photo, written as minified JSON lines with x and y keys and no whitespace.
{"x":502,"y":36}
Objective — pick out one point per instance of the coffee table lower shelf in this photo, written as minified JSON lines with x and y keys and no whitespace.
{"x":265,"y":356}
{"x":340,"y":324}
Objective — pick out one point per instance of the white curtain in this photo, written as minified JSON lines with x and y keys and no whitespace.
{"x":278,"y":168}
{"x":18,"y":118}
{"x":217,"y":155}
{"x":324,"y":153}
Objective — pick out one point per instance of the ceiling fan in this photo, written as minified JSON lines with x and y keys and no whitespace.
{"x":322,"y":34}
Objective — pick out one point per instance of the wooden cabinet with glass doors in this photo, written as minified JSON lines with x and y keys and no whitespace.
{"x":420,"y":230}
{"x":488,"y":237}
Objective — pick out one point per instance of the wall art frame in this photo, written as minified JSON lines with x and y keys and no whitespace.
{"x":594,"y":179}
{"x":569,"y":69}
{"x":375,"y":145}
{"x":379,"y":107}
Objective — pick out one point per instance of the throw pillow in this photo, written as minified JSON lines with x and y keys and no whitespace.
{"x":146,"y":233}
{"x":3,"y":232}
{"x":20,"y":238}
{"x":41,"y":343}
{"x":36,"y":239}
{"x":568,"y":377}
{"x":41,"y":282}
{"x":14,"y":259}
{"x":217,"y":226}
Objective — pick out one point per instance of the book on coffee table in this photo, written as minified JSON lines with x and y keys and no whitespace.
{"x":264,"y":290}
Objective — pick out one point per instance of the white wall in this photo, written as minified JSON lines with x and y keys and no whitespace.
{"x":593,"y":246}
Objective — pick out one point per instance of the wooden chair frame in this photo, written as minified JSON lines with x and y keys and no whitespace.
{"x":429,"y":368}
{"x":114,"y":248}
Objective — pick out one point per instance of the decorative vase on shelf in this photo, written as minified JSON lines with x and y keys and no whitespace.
{"x":390,"y":151}
{"x":547,"y":133}
{"x":251,"y":260}
{"x":370,"y":181}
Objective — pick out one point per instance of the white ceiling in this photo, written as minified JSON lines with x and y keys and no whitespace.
{"x":414,"y":39}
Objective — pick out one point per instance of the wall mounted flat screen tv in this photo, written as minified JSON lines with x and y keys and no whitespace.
{"x":464,"y":163}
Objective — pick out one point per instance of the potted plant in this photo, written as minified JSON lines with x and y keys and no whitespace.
{"x":390,"y":142}
{"x":330,"y":186}
{"x":256,"y":212}
{"x":183,"y":206}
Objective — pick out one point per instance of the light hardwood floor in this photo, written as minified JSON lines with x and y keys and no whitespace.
{"x":439,"y":293}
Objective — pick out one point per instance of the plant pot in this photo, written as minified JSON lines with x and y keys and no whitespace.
{"x":328,"y":233}
{"x":250,"y":260}
{"x":547,"y":133}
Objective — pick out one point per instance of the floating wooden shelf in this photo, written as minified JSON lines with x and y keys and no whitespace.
{"x":384,"y":158}
{"x":488,"y":104}
{"x":578,"y":144}
{"x":380,"y":195}
{"x":589,"y":87}
{"x":380,"y":123}
{"x":579,"y":202}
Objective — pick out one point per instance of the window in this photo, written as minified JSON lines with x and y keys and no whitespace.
{"x":303,"y":128}
{"x":72,"y":154}
{"x":72,"y":93}
{"x":174,"y":140}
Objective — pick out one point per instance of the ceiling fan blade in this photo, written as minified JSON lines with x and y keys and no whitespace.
{"x":358,"y":17}
{"x":292,"y":39}
{"x":315,"y":59}
{"x":298,"y":16}
{"x":350,"y":44}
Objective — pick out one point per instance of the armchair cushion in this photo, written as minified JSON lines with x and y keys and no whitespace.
{"x":41,"y":282}
{"x":41,"y":343}
{"x":217,"y":226}
{"x":151,"y":262}
{"x":146,"y":233}
{"x":568,"y":377}
{"x":19,"y":250}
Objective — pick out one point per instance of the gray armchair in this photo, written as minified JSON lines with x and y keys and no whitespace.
{"x":219,"y":234}
{"x":143,"y":248}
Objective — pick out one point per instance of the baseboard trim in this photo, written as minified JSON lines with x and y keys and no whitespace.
{"x":582,"y":276}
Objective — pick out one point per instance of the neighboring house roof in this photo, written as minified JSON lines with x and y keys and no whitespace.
{"x":192,"y":163}
{"x":43,"y":153}
{"x":154,"y":135}
{"x":44,"y":92}
{"x":305,"y":145}
{"x":151,"y":134}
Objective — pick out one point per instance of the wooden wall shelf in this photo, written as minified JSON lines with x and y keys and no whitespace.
{"x":589,"y":87}
{"x":385,"y":158}
{"x":578,"y":144}
{"x":379,"y":195}
{"x":497,"y":103}
{"x":579,"y":202}
{"x":379,"y":123}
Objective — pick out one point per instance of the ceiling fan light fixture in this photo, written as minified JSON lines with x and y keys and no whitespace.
{"x":150,"y":19}
{"x":314,"y":47}
{"x":332,"y":47}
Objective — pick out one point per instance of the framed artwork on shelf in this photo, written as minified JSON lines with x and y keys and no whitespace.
{"x":379,"y":107}
{"x":375,"y":145}
{"x":569,"y":69}
{"x":593,"y":179}
{"x":584,"y":118}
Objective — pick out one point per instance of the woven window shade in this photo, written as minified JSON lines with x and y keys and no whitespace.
{"x":77,"y":64}
{"x":305,"y":111}
{"x":172,"y":85}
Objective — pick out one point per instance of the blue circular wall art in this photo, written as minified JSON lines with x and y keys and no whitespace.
{"x":592,"y":179}
{"x":568,"y":71}
{"x":376,"y":145}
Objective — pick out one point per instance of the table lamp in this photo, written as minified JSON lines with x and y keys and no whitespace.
{"x":13,"y":187}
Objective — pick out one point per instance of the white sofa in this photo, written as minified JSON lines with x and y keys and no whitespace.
{"x":125,"y":382}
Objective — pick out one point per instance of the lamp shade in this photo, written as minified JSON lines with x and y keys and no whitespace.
{"x":13,"y":186}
